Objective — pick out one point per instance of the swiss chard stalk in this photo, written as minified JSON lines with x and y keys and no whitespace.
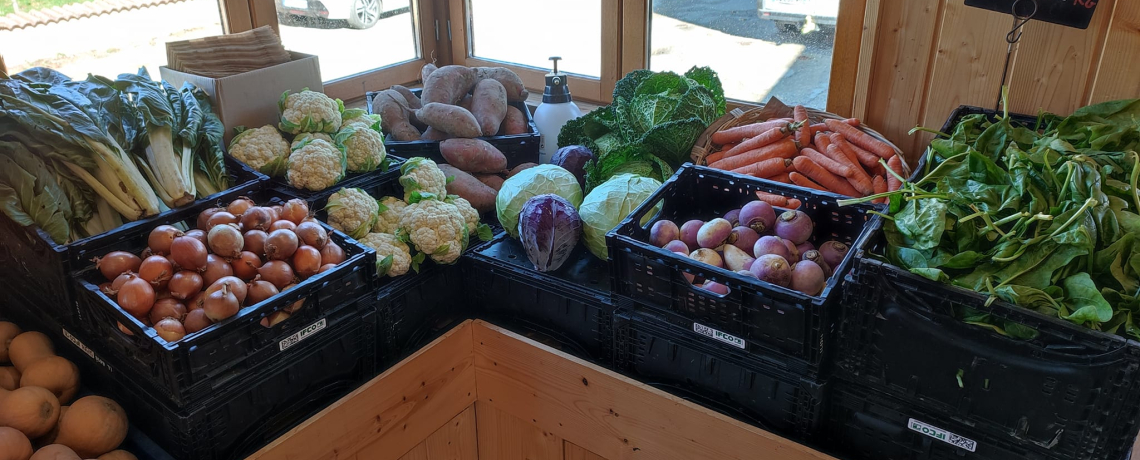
{"x":163,"y":114}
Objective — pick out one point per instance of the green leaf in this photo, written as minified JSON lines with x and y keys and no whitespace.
{"x":923,"y":222}
{"x":1087,"y":304}
{"x":484,"y":232}
{"x":383,"y":265}
{"x":417,"y":260}
{"x":441,"y":250}
{"x":276,"y":168}
{"x":626,"y":87}
{"x":932,"y":274}
{"x":708,"y":78}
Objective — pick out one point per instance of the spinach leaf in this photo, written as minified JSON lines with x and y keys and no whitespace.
{"x":1088,"y":304}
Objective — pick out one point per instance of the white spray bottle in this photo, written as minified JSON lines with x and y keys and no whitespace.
{"x":556,"y":109}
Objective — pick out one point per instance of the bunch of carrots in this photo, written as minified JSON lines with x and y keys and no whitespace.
{"x":833,"y":156}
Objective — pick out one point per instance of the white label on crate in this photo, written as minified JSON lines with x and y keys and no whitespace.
{"x":718,"y":335}
{"x":84,"y":349}
{"x":303,"y":334}
{"x":942,"y":435}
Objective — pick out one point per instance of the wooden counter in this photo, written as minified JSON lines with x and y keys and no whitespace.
{"x":481,"y":392}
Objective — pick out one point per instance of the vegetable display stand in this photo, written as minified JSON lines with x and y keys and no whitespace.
{"x":192,"y":368}
{"x":1069,"y":392}
{"x":41,"y":269}
{"x":414,"y":309}
{"x":518,"y":148}
{"x":760,"y":317}
{"x":570,"y":307}
{"x":317,"y":199}
{"x":863,"y":424}
{"x":242,"y":414}
{"x":718,"y":377}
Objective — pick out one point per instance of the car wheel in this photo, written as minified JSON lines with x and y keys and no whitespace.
{"x":364,"y":13}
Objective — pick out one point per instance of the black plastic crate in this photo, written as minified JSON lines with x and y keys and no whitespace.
{"x":719,"y":377}
{"x":763,"y":316}
{"x":30,"y":259}
{"x":317,"y":199}
{"x":518,"y":148}
{"x":1070,"y":391}
{"x":863,"y":424}
{"x":194,"y":367}
{"x":247,"y":413}
{"x":570,"y":308}
{"x":417,"y":308}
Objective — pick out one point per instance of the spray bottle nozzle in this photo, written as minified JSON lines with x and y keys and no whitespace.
{"x":555,"y":59}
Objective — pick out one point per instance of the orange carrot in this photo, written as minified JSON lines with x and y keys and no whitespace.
{"x":829,"y":164}
{"x":739,"y":133}
{"x":727,"y":147}
{"x":772,"y":198}
{"x":818,"y":128}
{"x":768,"y":137}
{"x":802,"y":181}
{"x":821,"y":176}
{"x":785,"y":148}
{"x":860,"y":138}
{"x":880,"y":185}
{"x":856,"y":175}
{"x":714,"y":157}
{"x":895,"y":164}
{"x":781,"y":178}
{"x":848,"y":151}
{"x":821,"y":142}
{"x":853,"y":121}
{"x":793,"y":203}
{"x":803,"y":135}
{"x":769,"y":167}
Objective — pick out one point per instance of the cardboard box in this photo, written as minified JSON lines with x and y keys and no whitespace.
{"x":250,"y":99}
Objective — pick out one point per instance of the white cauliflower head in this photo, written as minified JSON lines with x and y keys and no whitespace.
{"x":354,"y":116}
{"x":363,"y":146}
{"x":421,"y":175}
{"x":435,"y":228}
{"x":352,"y":211}
{"x":470,"y":215}
{"x":263,"y":149}
{"x":393,"y":258}
{"x":315,"y":165}
{"x":388,"y":220}
{"x":301,"y":138}
{"x":309,"y":112}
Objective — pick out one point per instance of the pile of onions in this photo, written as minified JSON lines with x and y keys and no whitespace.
{"x":238,"y":256}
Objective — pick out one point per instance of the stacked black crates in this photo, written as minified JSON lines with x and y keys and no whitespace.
{"x":758,"y":353}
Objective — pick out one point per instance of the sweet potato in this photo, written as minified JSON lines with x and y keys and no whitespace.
{"x":394,"y":113}
{"x":489,"y":105}
{"x":465,"y":102}
{"x":481,"y":197}
{"x":514,"y":123}
{"x":413,"y":101}
{"x":451,"y":119}
{"x":494,"y":181}
{"x":448,"y":85}
{"x":473,"y":155}
{"x":426,"y":71}
{"x":520,"y":168}
{"x":432,"y":134}
{"x":516,"y":92}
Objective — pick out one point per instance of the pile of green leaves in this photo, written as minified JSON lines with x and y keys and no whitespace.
{"x":72,"y":152}
{"x":650,"y":128}
{"x":1042,"y":216}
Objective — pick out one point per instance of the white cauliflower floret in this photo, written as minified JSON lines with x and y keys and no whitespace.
{"x":422,"y":175}
{"x":262,"y":149}
{"x":436,"y":228}
{"x":309,"y":112}
{"x":470,"y":215}
{"x":355,"y":116}
{"x":393,"y":258}
{"x":363,"y":146}
{"x":352,"y":211}
{"x":301,"y":138}
{"x":316,"y":165}
{"x":388,"y":220}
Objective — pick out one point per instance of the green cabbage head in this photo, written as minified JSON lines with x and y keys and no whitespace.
{"x":609,"y":204}
{"x":529,"y":183}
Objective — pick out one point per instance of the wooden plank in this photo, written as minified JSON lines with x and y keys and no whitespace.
{"x":457,"y":440}
{"x":605,"y":413}
{"x":1117,"y":77}
{"x":264,"y":13}
{"x":235,"y":16}
{"x":635,"y":35}
{"x":503,"y":436}
{"x":1056,"y":64}
{"x":866,"y":51}
{"x":388,"y":416}
{"x":846,"y":56}
{"x":571,"y":451}
{"x":898,"y":82}
{"x":610,"y":49}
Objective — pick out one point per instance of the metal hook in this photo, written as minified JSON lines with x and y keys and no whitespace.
{"x":1019,"y":21}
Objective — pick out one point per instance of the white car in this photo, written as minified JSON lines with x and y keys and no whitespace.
{"x":793,"y":15}
{"x":360,"y":14}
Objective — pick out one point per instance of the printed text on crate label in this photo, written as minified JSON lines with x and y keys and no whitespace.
{"x":718,"y":335}
{"x":85,"y":350}
{"x":942,"y":435}
{"x":303,"y":334}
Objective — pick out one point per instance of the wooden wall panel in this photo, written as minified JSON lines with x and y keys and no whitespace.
{"x":457,"y":440}
{"x":571,"y":451}
{"x":1118,"y":76}
{"x":503,"y":436}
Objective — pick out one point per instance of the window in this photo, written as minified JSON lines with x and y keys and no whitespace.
{"x":529,"y":32}
{"x":349,"y":36}
{"x":760,"y":48}
{"x":107,"y":44}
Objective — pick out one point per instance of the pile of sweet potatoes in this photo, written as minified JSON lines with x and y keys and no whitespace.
{"x":457,"y":102}
{"x":475,"y":170}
